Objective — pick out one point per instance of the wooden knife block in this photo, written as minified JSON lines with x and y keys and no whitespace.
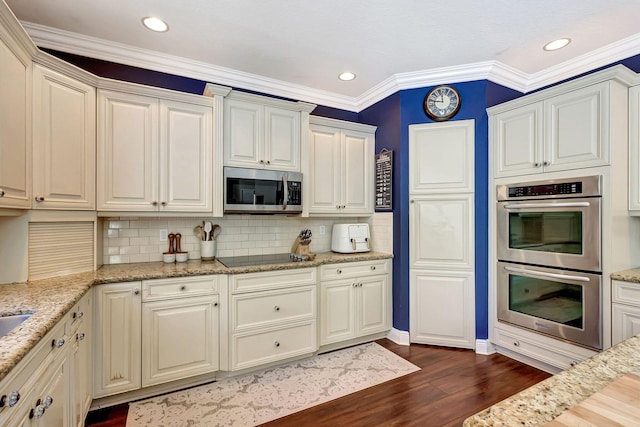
{"x":301,"y":249}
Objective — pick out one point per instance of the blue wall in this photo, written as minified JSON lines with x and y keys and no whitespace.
{"x":392,"y":116}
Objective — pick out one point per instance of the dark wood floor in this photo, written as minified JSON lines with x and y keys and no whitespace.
{"x":452,"y":385}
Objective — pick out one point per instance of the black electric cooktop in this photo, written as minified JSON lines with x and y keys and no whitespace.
{"x":251,"y":260}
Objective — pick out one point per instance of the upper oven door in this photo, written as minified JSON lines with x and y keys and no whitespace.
{"x":563,"y":233}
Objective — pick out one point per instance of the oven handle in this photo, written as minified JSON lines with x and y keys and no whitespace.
{"x":548,"y":205}
{"x":550,"y":275}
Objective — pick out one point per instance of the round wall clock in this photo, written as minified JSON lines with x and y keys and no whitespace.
{"x":442,"y":103}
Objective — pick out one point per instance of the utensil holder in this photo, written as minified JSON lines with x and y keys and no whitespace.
{"x":208,"y":250}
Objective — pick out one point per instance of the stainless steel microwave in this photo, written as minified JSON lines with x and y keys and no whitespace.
{"x":262,"y":191}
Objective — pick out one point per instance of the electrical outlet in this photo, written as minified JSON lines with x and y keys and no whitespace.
{"x":322,"y":230}
{"x":164,"y":235}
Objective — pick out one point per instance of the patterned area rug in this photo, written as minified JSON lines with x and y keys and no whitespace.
{"x":262,"y":396}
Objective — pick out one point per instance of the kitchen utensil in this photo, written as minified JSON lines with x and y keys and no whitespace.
{"x":198,"y":231}
{"x":207,"y":231}
{"x":172,"y":249}
{"x":216,"y":231}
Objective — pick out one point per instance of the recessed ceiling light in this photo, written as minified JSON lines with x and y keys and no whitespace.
{"x":347,"y":76}
{"x":557,"y":44}
{"x":155,"y":24}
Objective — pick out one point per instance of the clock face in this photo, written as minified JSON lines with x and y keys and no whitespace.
{"x":442,"y":103}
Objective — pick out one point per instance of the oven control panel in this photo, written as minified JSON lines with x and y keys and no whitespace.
{"x":546,"y":189}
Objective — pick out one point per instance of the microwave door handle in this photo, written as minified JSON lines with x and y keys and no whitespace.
{"x":548,"y":205}
{"x":285,"y":184}
{"x":549,"y":275}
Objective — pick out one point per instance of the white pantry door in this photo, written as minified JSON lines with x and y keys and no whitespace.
{"x":441,"y":230}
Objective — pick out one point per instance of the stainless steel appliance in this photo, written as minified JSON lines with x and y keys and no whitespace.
{"x":254,"y":260}
{"x":262,"y":191}
{"x":549,"y":275}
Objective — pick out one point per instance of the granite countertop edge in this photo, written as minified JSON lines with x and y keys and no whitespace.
{"x":631,"y":275}
{"x":49,"y":300}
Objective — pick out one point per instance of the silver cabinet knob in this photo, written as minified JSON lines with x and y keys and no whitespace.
{"x":268,"y":162}
{"x":57,"y":342}
{"x":261,"y":162}
{"x":1,"y":192}
{"x":215,"y":304}
{"x":136,"y":291}
{"x":373,"y":267}
{"x":10,"y":400}
{"x":546,"y":163}
{"x":339,"y":271}
{"x":38,"y":412}
{"x":355,"y":285}
{"x":39,"y":199}
{"x":516,"y":343}
{"x":276,"y":308}
{"x":183,"y":287}
{"x":80,"y":314}
{"x":573,"y":363}
{"x":80,"y":336}
{"x":163,"y":203}
{"x":537,"y":165}
{"x":277,"y":344}
{"x":48,"y":401}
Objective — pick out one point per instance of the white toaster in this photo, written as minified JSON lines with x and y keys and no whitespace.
{"x":350,"y":238}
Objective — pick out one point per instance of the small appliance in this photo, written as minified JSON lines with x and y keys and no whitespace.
{"x":350,"y":238}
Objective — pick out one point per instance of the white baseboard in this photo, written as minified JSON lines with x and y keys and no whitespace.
{"x":398,"y":336}
{"x":485,"y":347}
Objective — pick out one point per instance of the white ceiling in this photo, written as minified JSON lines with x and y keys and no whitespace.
{"x":298,"y":48}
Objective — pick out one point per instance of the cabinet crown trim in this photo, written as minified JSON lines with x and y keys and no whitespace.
{"x":618,"y":73}
{"x":324,"y":121}
{"x":302,"y":106}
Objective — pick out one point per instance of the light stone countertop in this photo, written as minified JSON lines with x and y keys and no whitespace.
{"x":543,"y":402}
{"x":632,"y":275}
{"x":50,"y":299}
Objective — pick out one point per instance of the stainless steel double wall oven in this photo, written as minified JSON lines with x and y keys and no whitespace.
{"x":549,"y":273}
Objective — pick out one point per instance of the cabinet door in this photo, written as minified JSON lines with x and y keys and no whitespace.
{"x":441,"y":158}
{"x":634,"y":149}
{"x":626,"y":322}
{"x":57,"y":413}
{"x":63,"y":142}
{"x":282,"y":139}
{"x":117,"y":324}
{"x":180,"y":339}
{"x":127,"y":152}
{"x":577,"y":129}
{"x":15,"y":143}
{"x":337,"y":316}
{"x":324,"y":169}
{"x":441,"y":229}
{"x":243,"y":134}
{"x":373,"y":313}
{"x":81,"y":361}
{"x":186,"y":157}
{"x":517,"y":136}
{"x":357,"y":173}
{"x":442,"y":310}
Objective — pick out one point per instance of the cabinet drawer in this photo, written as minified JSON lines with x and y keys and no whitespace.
{"x":626,"y":292}
{"x":538,"y":351}
{"x":259,"y":309}
{"x":253,"y":349}
{"x":354,"y":269}
{"x":179,"y":287}
{"x":272,"y":280}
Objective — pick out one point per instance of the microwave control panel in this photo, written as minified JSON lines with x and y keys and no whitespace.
{"x":295,"y":192}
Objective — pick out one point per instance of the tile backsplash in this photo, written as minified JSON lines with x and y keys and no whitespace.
{"x":137,"y":239}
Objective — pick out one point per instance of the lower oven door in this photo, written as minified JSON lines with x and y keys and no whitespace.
{"x":563,"y":304}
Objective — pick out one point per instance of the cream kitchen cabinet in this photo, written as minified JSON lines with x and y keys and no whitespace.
{"x":355,"y":300}
{"x":180,"y":328}
{"x":117,"y":324}
{"x":15,"y":120}
{"x":634,"y":150}
{"x":155,"y":151}
{"x":81,"y":358}
{"x":264,"y":133}
{"x":570,"y":126}
{"x":341,"y":180}
{"x":272,"y":316}
{"x":626,"y":310}
{"x":64,"y":135}
{"x":41,"y":390}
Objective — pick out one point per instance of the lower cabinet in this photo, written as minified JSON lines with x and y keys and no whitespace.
{"x":155,"y":331}
{"x":625,"y":311}
{"x":355,"y":300}
{"x":272,"y":316}
{"x":48,"y":387}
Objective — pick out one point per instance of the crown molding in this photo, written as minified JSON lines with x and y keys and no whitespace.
{"x":494,"y":71}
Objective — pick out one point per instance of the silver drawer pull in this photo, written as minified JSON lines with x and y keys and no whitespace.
{"x":10,"y":400}
{"x":373,"y":267}
{"x":39,"y":199}
{"x":183,"y":287}
{"x":339,"y":271}
{"x":57,"y":342}
{"x":136,"y":291}
{"x":277,"y":344}
{"x":1,"y":192}
{"x":215,"y":304}
{"x":48,"y":401}
{"x":80,"y":336}
{"x":516,"y":343}
{"x":276,"y":308}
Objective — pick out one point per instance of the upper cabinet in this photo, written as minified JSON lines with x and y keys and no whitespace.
{"x":264,"y":133}
{"x":340,"y":178}
{"x":634,"y":150}
{"x":562,"y":128}
{"x":155,"y":151}
{"x":63,"y":141}
{"x":15,"y":114}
